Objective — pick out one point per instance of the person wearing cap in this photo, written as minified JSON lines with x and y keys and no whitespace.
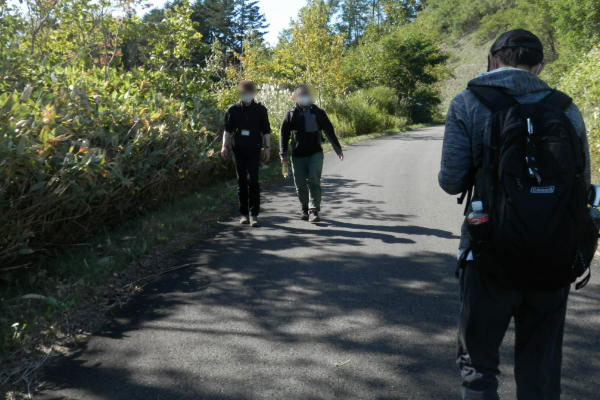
{"x":247,"y":131}
{"x":304,"y":125}
{"x":487,"y":303}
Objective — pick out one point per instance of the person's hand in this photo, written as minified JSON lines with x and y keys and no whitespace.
{"x":266,"y":154}
{"x":341,"y":156}
{"x":224,"y":153}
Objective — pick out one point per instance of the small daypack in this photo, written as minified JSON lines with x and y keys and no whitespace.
{"x":530,"y":179}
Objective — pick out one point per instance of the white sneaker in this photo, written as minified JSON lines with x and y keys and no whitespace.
{"x":254,"y":221}
{"x":245,"y":220}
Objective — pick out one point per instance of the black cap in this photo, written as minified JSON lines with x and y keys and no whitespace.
{"x":517,"y":38}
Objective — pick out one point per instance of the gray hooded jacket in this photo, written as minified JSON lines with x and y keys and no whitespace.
{"x":466,"y":122}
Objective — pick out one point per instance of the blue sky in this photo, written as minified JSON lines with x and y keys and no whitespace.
{"x":278,"y":13}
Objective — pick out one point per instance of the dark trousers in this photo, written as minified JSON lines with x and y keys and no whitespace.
{"x":486,"y":312}
{"x":247,"y":162}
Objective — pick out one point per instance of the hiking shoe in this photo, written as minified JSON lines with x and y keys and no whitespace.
{"x":304,"y":215}
{"x":245,"y":220}
{"x":254,"y":221}
{"x":313,"y":216}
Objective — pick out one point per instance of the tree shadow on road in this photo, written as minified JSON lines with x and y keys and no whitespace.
{"x":252,"y":318}
{"x":281,"y":321}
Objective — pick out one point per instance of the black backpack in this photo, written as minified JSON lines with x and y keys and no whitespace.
{"x":530,"y":178}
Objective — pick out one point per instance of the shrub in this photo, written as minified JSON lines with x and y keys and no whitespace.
{"x":384,"y":98}
{"x":364,"y":111}
{"x":425,"y":104}
{"x":278,"y":101}
{"x":80,"y":150}
{"x":582,"y":82}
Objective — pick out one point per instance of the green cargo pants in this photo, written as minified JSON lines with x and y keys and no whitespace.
{"x":307,"y":177}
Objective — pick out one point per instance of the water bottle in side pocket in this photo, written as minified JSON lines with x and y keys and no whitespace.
{"x":478,"y":222}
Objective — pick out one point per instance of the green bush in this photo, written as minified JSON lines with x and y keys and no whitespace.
{"x":80,"y":150}
{"x":383,"y":97}
{"x":582,"y":82}
{"x":364,"y":111}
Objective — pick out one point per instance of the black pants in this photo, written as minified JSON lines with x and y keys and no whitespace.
{"x":486,"y":312}
{"x":247,"y":162}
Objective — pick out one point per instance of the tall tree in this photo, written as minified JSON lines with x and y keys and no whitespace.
{"x":407,"y":61}
{"x":230,"y":22}
{"x":354,"y":17}
{"x":314,"y":53}
{"x":214,"y":20}
{"x":175,"y":40}
{"x":248,"y":23}
{"x":376,"y":11}
{"x":401,"y":11}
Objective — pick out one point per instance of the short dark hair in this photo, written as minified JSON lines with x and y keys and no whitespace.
{"x":516,"y":56}
{"x":518,"y":47}
{"x":247,"y":86}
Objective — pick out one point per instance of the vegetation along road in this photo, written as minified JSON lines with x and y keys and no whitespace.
{"x":362,"y":306}
{"x":111,"y":120}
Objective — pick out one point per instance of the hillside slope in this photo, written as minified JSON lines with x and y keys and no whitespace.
{"x":468,"y":58}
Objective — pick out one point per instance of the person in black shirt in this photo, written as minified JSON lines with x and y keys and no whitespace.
{"x":247,"y":131}
{"x":304,"y":125}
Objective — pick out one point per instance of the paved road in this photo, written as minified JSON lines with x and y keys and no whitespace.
{"x":362,"y":307}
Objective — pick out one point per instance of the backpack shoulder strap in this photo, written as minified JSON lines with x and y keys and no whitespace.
{"x":558,"y":99}
{"x":293,"y":114}
{"x":494,"y":98}
{"x":561,"y":101}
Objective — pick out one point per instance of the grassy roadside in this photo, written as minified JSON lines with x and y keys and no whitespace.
{"x":70,"y":296}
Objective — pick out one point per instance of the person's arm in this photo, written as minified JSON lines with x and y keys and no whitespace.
{"x":226,"y":146}
{"x":578,"y":122}
{"x":457,"y":158}
{"x":227,"y":134}
{"x":267,"y":146}
{"x":266,"y":136}
{"x":284,"y":140}
{"x":329,"y":130}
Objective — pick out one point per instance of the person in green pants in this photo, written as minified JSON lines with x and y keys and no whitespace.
{"x":304,"y":125}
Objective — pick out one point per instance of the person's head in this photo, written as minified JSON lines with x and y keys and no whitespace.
{"x":519,"y":49}
{"x":247,"y":90}
{"x":303,"y":95}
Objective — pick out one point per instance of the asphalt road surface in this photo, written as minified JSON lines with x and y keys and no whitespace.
{"x":362,"y":306}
